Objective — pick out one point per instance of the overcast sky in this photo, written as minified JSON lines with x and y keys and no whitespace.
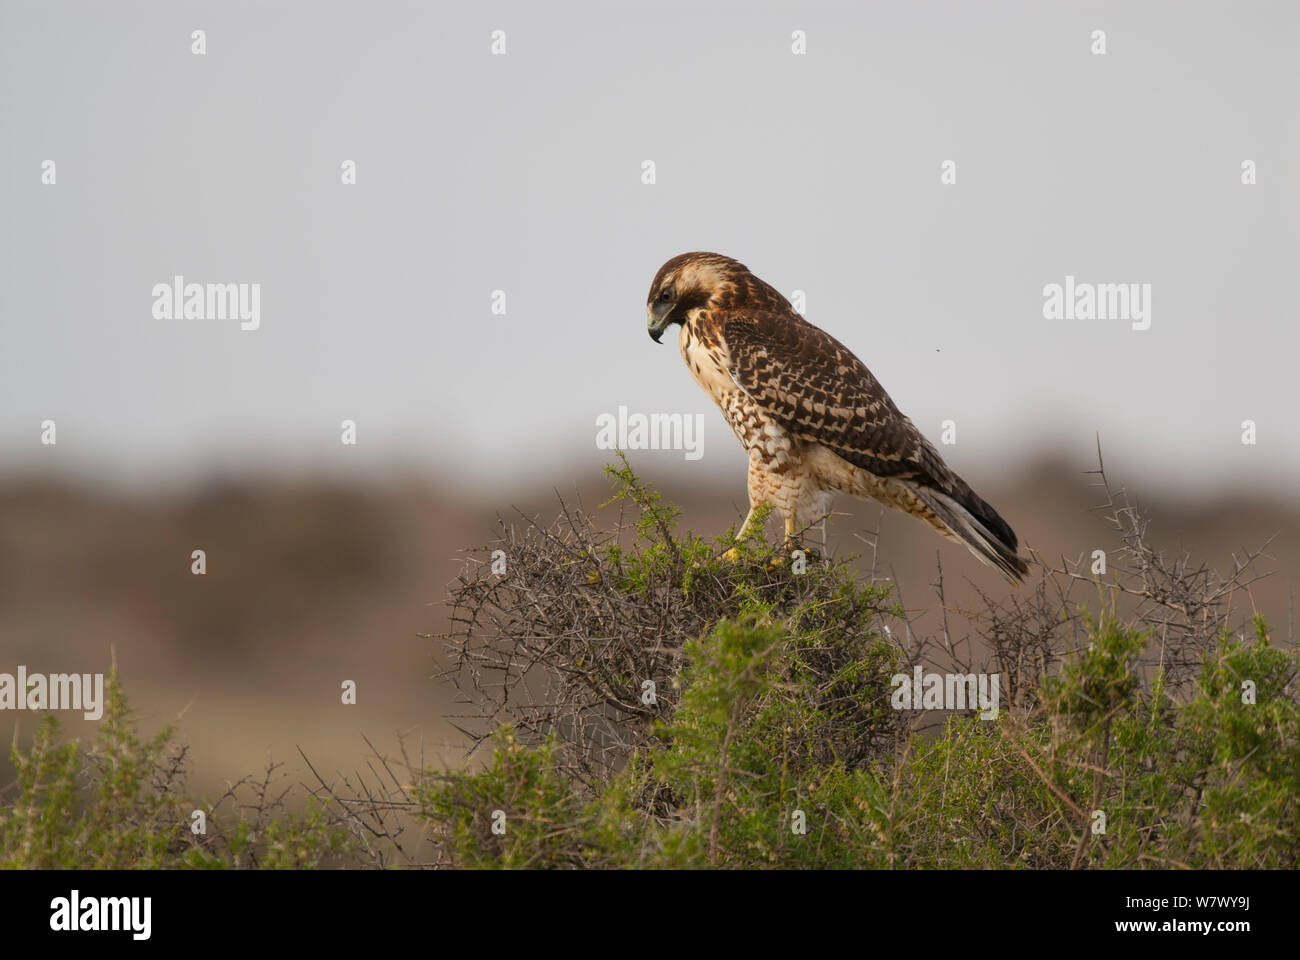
{"x":523,"y":172}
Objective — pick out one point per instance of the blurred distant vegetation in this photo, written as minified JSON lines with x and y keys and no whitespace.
{"x":639,"y":702}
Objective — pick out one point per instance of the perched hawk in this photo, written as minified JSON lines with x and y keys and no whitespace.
{"x":809,"y":413}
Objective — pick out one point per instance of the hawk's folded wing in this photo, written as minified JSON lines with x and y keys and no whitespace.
{"x":818,"y":390}
{"x":814,"y":387}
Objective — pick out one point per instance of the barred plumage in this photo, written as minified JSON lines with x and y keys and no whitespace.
{"x":809,"y":413}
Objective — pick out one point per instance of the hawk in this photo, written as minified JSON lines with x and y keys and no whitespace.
{"x":809,"y":414}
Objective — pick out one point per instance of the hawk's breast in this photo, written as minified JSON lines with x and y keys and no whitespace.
{"x":706,"y":357}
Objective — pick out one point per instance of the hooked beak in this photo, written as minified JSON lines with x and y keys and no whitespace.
{"x":657,"y":321}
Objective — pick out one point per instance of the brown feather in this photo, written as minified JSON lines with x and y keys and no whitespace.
{"x":739,"y":332}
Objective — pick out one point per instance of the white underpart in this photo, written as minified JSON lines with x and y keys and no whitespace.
{"x":800,"y":490}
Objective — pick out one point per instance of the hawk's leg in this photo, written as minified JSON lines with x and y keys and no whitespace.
{"x":791,"y":534}
{"x":794,"y":542}
{"x":746,"y":531}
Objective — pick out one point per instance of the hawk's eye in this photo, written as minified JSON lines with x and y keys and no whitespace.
{"x":667,"y":295}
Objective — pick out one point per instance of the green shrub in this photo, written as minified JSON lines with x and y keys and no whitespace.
{"x":779,"y":747}
{"x":647,"y":704}
{"x":121,"y":804}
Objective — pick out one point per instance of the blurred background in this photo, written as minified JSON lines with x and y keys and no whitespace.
{"x":523,"y":173}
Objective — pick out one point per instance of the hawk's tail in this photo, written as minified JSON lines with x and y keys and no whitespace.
{"x":972,"y":521}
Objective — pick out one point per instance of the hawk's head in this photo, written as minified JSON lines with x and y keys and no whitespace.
{"x":692,"y":280}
